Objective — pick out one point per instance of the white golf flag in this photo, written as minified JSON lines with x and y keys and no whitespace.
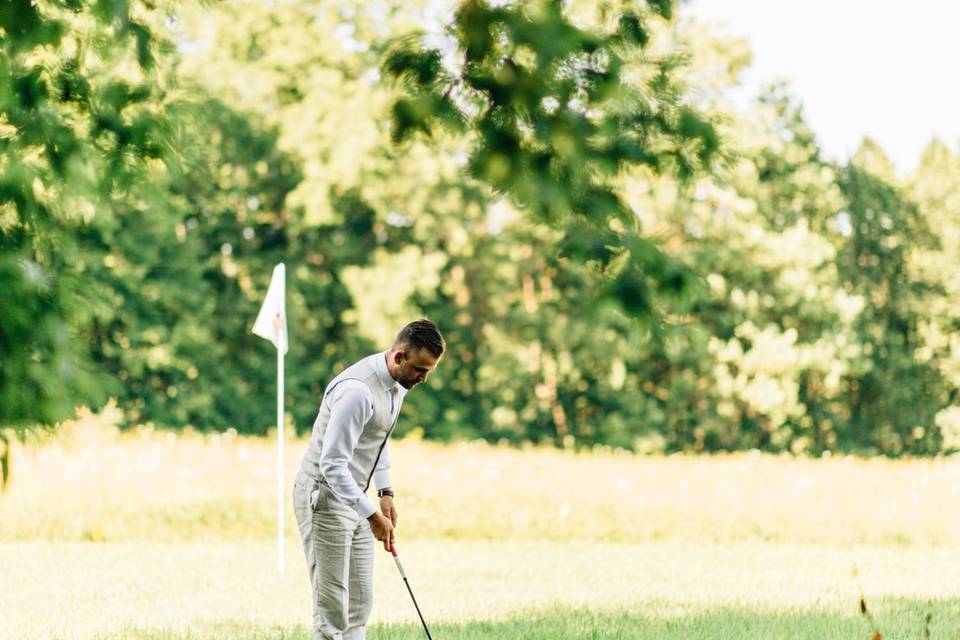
{"x":271,"y":322}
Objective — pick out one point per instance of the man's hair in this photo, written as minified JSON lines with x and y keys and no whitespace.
{"x":422,"y":334}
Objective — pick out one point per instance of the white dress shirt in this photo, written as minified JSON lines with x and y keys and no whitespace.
{"x":351,"y":408}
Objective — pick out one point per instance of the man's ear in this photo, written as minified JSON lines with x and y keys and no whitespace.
{"x":398,"y":356}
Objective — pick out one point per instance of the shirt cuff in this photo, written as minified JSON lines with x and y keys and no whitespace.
{"x":365,"y":508}
{"x":381,"y":478}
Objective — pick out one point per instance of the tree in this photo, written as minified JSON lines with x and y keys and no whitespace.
{"x":554,"y":114}
{"x":81,"y":120}
{"x":935,"y":188}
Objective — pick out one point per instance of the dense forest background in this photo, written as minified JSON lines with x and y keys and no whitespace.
{"x":616,"y":253}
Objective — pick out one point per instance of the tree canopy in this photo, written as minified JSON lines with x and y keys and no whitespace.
{"x":616,"y":254}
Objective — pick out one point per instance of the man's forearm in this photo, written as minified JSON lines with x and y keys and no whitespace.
{"x":345,"y":487}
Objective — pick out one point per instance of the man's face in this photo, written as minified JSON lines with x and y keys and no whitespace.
{"x":413,"y":366}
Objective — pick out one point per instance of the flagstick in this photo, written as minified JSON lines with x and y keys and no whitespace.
{"x":280,"y":426}
{"x":271,"y":324}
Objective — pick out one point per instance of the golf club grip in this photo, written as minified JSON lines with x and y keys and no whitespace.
{"x":403,"y":574}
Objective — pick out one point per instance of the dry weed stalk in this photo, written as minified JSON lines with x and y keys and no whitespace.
{"x":864,"y":611}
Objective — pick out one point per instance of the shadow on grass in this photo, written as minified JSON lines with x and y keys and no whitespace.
{"x":895,"y":617}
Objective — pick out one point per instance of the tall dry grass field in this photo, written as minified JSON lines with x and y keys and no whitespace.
{"x":93,"y":483}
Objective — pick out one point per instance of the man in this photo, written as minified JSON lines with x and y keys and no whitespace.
{"x":347,"y":450}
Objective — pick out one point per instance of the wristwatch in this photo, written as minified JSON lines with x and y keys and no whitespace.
{"x":384,"y":492}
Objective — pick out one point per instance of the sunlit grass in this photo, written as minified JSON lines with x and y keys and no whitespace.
{"x":901,"y":619}
{"x":498,"y":543}
{"x":75,"y":590}
{"x":91,"y":483}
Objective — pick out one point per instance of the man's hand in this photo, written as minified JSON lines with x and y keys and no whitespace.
{"x":382,"y":529}
{"x":387,"y":508}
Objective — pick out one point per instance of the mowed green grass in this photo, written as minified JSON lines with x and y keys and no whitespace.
{"x":477,"y":590}
{"x":899,"y":619}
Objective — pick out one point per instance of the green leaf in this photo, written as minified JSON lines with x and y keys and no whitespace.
{"x":406,"y":62}
{"x":663,"y":8}
{"x":632,"y":30}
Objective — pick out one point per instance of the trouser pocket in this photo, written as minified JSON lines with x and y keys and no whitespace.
{"x":304,"y":495}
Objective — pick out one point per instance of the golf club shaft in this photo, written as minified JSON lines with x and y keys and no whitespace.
{"x":403,"y":575}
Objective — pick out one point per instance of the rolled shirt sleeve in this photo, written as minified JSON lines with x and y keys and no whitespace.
{"x":351,"y":407}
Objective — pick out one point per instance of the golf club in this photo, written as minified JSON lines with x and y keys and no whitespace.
{"x":396,"y":558}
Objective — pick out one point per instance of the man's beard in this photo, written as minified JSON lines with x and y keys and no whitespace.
{"x":408,"y":383}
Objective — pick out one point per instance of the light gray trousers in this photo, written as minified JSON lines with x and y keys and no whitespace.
{"x":338,"y":546}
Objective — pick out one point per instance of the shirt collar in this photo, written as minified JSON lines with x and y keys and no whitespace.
{"x":380,"y":366}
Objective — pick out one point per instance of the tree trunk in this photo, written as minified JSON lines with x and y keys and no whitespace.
{"x":4,"y":461}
